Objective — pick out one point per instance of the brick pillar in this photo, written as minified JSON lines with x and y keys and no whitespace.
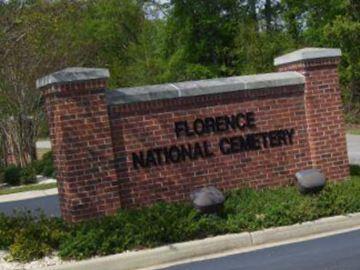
{"x":324,"y":113}
{"x":80,"y":135}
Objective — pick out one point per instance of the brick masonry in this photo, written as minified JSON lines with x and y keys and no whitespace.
{"x":324,"y":114}
{"x":93,"y":140}
{"x":82,"y":145}
{"x":140,"y":126}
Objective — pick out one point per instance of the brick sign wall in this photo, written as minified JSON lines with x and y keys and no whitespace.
{"x":157,"y":159}
{"x":131,"y":147}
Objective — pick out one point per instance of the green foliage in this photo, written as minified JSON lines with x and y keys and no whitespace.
{"x":134,"y":229}
{"x":344,"y":32}
{"x":254,"y":52}
{"x":45,"y":166}
{"x":28,"y":175}
{"x":193,"y":39}
{"x":2,"y":176}
{"x":28,"y":237}
{"x":12,"y":175}
{"x":355,"y":170}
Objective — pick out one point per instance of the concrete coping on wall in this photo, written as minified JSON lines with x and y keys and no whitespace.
{"x":203,"y":87}
{"x":307,"y":54}
{"x":74,"y":74}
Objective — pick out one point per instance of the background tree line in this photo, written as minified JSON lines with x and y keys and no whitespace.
{"x":154,"y":41}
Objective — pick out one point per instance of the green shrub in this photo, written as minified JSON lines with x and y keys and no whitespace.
{"x":7,"y":231}
{"x":355,"y":170}
{"x":47,"y":165}
{"x":2,"y":177}
{"x":12,"y":175}
{"x":28,"y":175}
{"x":38,"y":166}
{"x":27,"y":237}
{"x":135,"y":229}
{"x":27,"y":247}
{"x":35,"y":241}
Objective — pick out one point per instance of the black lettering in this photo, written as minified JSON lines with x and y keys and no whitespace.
{"x":166,"y":155}
{"x":199,"y":126}
{"x":274,"y":142}
{"x":174,"y":154}
{"x":250,"y":119}
{"x":150,"y":159}
{"x":224,"y":146}
{"x":237,"y":144}
{"x":252,"y":142}
{"x":282,"y":137}
{"x":207,"y":151}
{"x":158,"y":152}
{"x":240,"y":121}
{"x":138,"y":160}
{"x":189,"y":133}
{"x":221,"y":123}
{"x":186,"y":152}
{"x":198,"y":152}
{"x":210,"y":125}
{"x":264,"y":136}
{"x":180,"y":127}
{"x":231,"y":121}
{"x":290,"y":134}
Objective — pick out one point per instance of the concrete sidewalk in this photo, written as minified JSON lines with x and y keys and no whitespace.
{"x":28,"y":195}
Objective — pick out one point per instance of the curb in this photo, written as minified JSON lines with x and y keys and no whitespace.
{"x":26,"y":195}
{"x":187,"y":250}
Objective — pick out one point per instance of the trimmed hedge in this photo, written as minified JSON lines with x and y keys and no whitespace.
{"x":29,"y":238}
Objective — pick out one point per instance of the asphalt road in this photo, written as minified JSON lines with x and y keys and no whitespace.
{"x":49,"y":205}
{"x":339,"y":252}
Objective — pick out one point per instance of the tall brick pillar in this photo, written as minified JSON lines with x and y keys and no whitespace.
{"x":81,"y":139}
{"x":325,"y":122}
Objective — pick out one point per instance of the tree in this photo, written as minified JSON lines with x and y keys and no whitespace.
{"x":39,"y":37}
{"x":199,"y":37}
{"x":344,"y":32}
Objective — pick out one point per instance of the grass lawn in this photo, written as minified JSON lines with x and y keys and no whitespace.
{"x":27,"y":188}
{"x":353,"y":131}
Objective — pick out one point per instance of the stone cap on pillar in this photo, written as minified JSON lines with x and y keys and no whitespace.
{"x":306,"y":54}
{"x":74,"y":74}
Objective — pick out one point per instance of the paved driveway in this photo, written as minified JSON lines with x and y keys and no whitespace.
{"x":339,"y":252}
{"x":49,"y":205}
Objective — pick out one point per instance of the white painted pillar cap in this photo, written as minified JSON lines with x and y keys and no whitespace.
{"x":305,"y":54}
